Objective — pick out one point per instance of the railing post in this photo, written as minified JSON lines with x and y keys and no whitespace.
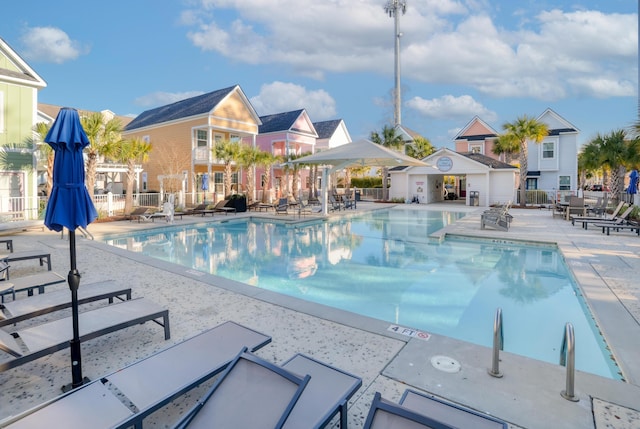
{"x":498,"y":344}
{"x":568,"y":359}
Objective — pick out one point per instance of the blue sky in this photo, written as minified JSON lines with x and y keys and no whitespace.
{"x":497,"y":59}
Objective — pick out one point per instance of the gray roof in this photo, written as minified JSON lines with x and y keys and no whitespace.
{"x":279,"y":122}
{"x":486,"y":160}
{"x":326,"y":129}
{"x":193,"y":106}
{"x":18,"y":75}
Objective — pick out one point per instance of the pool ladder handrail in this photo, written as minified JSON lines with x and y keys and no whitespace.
{"x":498,"y":344}
{"x":568,"y":359}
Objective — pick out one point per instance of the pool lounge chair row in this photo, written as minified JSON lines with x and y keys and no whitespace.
{"x":32,"y":343}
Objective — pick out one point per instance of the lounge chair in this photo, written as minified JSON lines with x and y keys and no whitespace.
{"x":45,"y":339}
{"x":137,"y":213}
{"x":452,"y":414}
{"x":619,"y":220}
{"x":580,"y":219}
{"x":599,"y":208}
{"x":221,"y":206}
{"x":9,"y":243}
{"x":326,"y":395}
{"x":497,"y":219}
{"x":148,"y":384}
{"x":23,"y":309}
{"x":282,"y":207}
{"x":200,"y":209}
{"x":26,"y":283}
{"x":251,"y":393}
{"x":28,"y":254}
{"x":335,"y":203}
{"x":619,"y":226}
{"x":167,"y":213}
{"x":384,"y":414}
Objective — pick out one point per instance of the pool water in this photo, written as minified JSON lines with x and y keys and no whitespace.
{"x":382,"y":264}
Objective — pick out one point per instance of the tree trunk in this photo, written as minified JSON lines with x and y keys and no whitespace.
{"x":385,"y":188}
{"x":524,"y":169}
{"x":128,"y":199}
{"x":90,"y":179}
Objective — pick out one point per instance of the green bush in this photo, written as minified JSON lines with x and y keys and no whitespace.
{"x":366,"y":182}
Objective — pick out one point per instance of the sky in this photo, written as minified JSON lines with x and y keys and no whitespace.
{"x":495,"y":59}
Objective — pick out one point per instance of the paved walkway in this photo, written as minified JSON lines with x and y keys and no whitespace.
{"x":527,"y":396}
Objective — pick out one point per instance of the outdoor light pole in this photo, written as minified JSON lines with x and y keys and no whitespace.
{"x":393,"y":7}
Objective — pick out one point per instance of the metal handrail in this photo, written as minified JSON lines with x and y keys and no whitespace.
{"x":568,"y":359}
{"x":498,"y":344}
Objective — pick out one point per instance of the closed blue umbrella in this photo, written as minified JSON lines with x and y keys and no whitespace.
{"x":70,"y":206}
{"x":633,"y":182}
{"x":205,"y":184}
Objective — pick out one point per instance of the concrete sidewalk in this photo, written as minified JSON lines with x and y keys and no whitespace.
{"x":527,"y":396}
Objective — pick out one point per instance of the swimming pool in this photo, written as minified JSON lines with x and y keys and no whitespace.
{"x":384,"y":265}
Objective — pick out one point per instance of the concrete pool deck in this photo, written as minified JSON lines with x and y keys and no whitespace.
{"x":527,"y":396}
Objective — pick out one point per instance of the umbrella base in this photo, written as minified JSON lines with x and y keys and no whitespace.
{"x":68,"y":387}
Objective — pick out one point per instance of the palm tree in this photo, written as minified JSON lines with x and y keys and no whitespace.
{"x":267,"y":160}
{"x":42,"y":129}
{"x":387,"y":138}
{"x":249,"y":159}
{"x":102,"y":136}
{"x":131,"y":152}
{"x":522,"y":130}
{"x":508,"y":145}
{"x":228,"y":152}
{"x":420,"y":149}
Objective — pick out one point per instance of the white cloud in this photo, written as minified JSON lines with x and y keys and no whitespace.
{"x":162,"y":98}
{"x":278,"y":97}
{"x":51,"y":45}
{"x":451,"y":108}
{"x":550,"y":56}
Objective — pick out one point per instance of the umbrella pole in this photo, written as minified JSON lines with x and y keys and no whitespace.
{"x":74,"y":282}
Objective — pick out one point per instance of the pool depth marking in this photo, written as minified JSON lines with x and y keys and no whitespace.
{"x":409,"y":332}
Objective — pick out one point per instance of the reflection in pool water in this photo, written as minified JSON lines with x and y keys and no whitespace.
{"x":383,"y":264}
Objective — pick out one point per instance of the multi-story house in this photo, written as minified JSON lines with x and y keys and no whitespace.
{"x":19,"y":86}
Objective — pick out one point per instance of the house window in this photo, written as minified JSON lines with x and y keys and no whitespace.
{"x":564,"y":183}
{"x":548,"y":150}
{"x":476,"y":148}
{"x":201,"y":138}
{"x":532,"y":183}
{"x":234,"y":137}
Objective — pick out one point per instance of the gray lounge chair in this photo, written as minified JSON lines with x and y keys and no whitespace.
{"x":619,"y":220}
{"x":42,"y":340}
{"x":326,"y":394}
{"x":452,"y":414}
{"x":23,"y":309}
{"x":27,"y":283}
{"x":282,"y":207}
{"x":148,"y":384}
{"x":495,"y":219}
{"x":28,"y":254}
{"x":251,"y":393}
{"x":384,"y":414}
{"x":221,"y":206}
{"x":137,"y":213}
{"x":9,"y":243}
{"x":581,"y":219}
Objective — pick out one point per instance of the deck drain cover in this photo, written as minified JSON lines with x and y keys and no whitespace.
{"x":445,"y":363}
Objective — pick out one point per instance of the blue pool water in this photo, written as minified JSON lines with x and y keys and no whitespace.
{"x":382,"y":264}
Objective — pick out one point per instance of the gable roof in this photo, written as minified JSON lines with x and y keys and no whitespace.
{"x":477,"y":123}
{"x":557,"y":124}
{"x":285,"y":121}
{"x":23,"y":74}
{"x":326,"y":129}
{"x":198,"y":105}
{"x":407,"y":133}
